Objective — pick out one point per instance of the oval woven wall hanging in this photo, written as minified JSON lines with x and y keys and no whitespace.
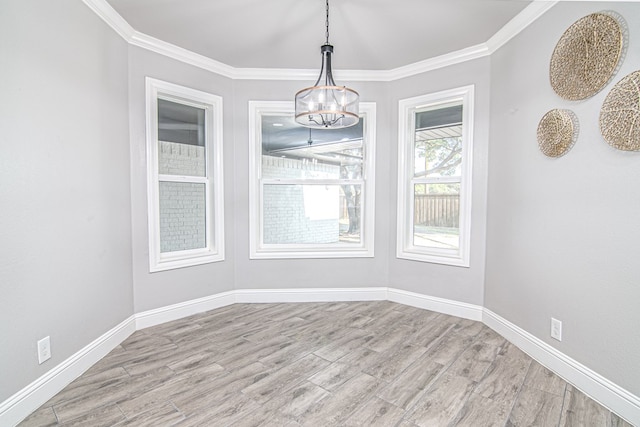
{"x":620,"y":114}
{"x":557,"y":132}
{"x":587,"y":56}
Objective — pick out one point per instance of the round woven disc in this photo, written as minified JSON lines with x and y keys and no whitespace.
{"x":557,"y":132}
{"x":586,"y":56}
{"x":620,"y":114}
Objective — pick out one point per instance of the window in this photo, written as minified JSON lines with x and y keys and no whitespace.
{"x":311,"y":191}
{"x":184,"y":164}
{"x":434,"y":177}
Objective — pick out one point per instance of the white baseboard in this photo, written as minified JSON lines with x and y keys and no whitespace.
{"x":183,"y":309}
{"x":594,"y":385}
{"x":617,"y":399}
{"x":310,"y":295}
{"x":441,"y":305}
{"x":30,"y":398}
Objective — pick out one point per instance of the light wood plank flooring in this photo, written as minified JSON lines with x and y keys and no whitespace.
{"x":320,"y":364}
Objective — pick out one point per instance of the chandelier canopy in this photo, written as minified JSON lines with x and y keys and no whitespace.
{"x":325,"y":104}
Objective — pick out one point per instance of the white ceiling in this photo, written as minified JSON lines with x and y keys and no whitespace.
{"x":367,"y":34}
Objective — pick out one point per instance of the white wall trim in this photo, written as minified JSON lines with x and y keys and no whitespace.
{"x":24,"y":402}
{"x":442,"y":61}
{"x":179,"y":54}
{"x":109,"y":15}
{"x":310,"y":295}
{"x":407,"y":111}
{"x":258,"y":249}
{"x":213,"y":179}
{"x":441,"y":305}
{"x":600,"y":389}
{"x":614,"y":397}
{"x":112,"y":18}
{"x":521,"y":21}
{"x":181,"y":310}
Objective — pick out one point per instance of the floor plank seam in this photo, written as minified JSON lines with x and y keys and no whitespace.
{"x":513,"y":404}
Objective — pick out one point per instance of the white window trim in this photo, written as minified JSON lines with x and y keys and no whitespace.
{"x":258,"y":251}
{"x":405,"y":247}
{"x":214,"y":186}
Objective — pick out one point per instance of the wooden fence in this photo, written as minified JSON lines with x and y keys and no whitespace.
{"x":433,"y":210}
{"x":437,"y":210}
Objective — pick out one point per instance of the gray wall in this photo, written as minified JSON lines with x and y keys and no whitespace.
{"x":564,"y":234}
{"x":444,"y":281}
{"x":65,"y":256}
{"x":160,"y":289}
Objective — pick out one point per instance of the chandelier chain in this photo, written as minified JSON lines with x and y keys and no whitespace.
{"x":327,"y":23}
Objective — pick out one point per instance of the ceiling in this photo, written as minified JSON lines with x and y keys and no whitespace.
{"x":367,"y":34}
{"x":287,"y":34}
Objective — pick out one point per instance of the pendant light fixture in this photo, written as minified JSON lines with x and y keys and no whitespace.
{"x":326,"y":105}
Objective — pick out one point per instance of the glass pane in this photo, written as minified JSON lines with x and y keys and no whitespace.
{"x":438,"y":142}
{"x":290,"y":151}
{"x":311,"y":214}
{"x":181,"y":139}
{"x":182,"y":216}
{"x":436,"y":216}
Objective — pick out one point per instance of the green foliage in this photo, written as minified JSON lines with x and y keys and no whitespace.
{"x":438,"y":156}
{"x":452,"y":188}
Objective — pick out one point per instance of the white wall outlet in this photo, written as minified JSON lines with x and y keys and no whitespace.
{"x":44,"y":349}
{"x":556,"y":329}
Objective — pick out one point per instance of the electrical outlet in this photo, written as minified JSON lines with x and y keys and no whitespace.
{"x":556,"y":329}
{"x":44,"y":350}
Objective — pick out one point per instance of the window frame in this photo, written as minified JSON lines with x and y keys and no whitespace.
{"x":259,"y":250}
{"x":213,"y":179}
{"x":407,"y":108}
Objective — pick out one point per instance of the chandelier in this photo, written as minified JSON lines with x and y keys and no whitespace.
{"x":326,"y":105}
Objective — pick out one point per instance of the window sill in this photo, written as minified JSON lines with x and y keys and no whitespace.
{"x":174,"y":262}
{"x":454,"y":260}
{"x":311,"y":254}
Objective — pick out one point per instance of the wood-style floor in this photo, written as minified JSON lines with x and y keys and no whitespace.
{"x":320,"y":364}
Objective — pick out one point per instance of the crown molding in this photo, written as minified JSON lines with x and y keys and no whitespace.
{"x":113,"y":19}
{"x":452,"y":58}
{"x":153,"y":44}
{"x":519,"y":22}
{"x":109,"y":15}
{"x":431,"y":64}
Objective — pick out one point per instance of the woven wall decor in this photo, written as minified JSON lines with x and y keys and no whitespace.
{"x":557,"y":132}
{"x":587,"y":56}
{"x":620,"y":114}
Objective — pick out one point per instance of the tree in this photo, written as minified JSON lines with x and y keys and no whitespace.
{"x":352,"y":195}
{"x":441,"y":156}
